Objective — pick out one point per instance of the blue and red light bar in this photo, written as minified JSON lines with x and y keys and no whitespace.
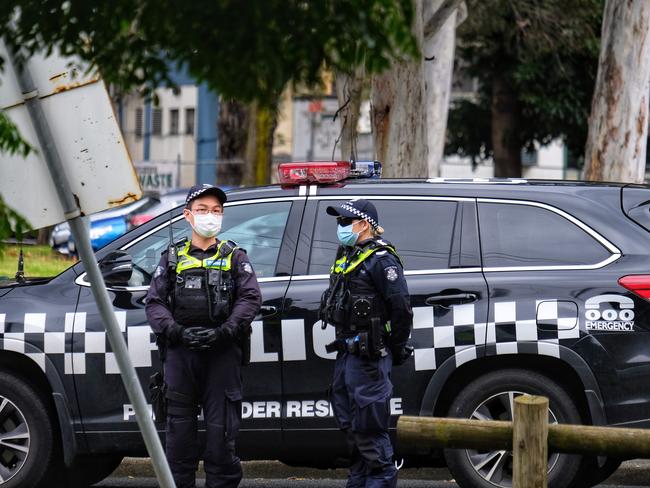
{"x":302,"y":172}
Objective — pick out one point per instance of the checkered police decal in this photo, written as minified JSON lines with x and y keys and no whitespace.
{"x":39,"y":336}
{"x":205,"y":187}
{"x":519,"y":327}
{"x":360,"y":214}
{"x":455,"y":333}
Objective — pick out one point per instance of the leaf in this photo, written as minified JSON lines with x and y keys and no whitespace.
{"x":243,"y":50}
{"x":10,"y":140}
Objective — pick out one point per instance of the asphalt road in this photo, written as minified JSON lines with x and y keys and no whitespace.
{"x":137,"y":473}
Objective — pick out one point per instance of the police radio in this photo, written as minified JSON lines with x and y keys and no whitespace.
{"x":220,"y":302}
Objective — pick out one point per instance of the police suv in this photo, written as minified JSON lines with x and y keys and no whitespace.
{"x":516,"y":286}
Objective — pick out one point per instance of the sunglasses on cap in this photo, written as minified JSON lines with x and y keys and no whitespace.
{"x":345,"y":221}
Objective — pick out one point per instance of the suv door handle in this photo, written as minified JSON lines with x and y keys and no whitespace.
{"x":456,"y":298}
{"x":267,"y":311}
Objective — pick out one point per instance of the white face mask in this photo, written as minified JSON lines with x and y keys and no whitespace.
{"x":207,"y":225}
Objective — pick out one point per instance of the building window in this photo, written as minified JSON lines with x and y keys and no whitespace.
{"x":189,"y":121}
{"x":173,"y":121}
{"x":156,"y":122}
{"x":138,"y":122}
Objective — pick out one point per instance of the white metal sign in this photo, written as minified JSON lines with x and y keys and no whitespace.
{"x":88,"y":138}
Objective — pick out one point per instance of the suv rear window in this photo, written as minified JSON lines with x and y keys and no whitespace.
{"x":421,"y":230}
{"x":514,"y":235}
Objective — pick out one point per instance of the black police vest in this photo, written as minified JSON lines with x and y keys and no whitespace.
{"x":355,"y":300}
{"x":204,"y":289}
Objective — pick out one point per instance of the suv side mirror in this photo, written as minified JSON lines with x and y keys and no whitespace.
{"x":116,"y":268}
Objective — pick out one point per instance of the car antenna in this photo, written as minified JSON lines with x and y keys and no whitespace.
{"x":172,"y":252}
{"x":20,"y":273}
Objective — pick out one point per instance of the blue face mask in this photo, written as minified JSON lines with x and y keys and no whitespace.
{"x":346,"y":236}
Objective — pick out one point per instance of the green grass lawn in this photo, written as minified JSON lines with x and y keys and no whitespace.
{"x":40,"y":261}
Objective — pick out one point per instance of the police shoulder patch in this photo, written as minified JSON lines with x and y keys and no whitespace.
{"x":159,"y":271}
{"x":246,"y":267}
{"x":391,"y":273}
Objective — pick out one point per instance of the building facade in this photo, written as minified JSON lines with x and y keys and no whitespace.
{"x":172,"y":134}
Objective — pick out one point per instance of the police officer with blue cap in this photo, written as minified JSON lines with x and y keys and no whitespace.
{"x":202,"y":299}
{"x":368,"y":303}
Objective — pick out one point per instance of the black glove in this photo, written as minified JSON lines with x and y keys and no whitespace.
{"x":226,"y":334}
{"x":400,"y":355}
{"x":174,"y":335}
{"x":199,"y":338}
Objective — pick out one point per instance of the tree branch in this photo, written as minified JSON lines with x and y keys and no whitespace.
{"x":462,"y":13}
{"x":439,"y":17}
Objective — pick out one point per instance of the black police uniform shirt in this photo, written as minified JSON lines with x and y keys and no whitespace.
{"x":387,"y":276}
{"x":247,"y":299}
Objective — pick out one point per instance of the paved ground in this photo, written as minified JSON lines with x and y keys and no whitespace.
{"x":277,"y":483}
{"x":137,"y":473}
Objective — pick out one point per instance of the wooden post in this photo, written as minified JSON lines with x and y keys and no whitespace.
{"x":530,"y":442}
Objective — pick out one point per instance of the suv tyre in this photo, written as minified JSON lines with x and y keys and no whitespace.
{"x":26,"y":435}
{"x":491,"y":397}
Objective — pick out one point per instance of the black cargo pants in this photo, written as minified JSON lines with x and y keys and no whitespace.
{"x":361,"y":393}
{"x":213,"y":379}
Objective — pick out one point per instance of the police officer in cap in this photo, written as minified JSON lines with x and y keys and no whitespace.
{"x":368,"y":303}
{"x":201,"y":303}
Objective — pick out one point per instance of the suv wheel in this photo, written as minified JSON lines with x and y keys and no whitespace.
{"x":26,"y":437}
{"x":491,"y":397}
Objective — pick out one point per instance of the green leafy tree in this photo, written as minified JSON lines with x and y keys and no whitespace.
{"x":11,"y":222}
{"x":245,"y":51}
{"x":536,"y":63}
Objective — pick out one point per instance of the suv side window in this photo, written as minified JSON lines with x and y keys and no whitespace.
{"x":514,"y":235}
{"x":256,"y":227}
{"x":421,"y":230}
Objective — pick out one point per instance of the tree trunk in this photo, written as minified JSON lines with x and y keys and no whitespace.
{"x":398,"y":114}
{"x":441,"y":11}
{"x":505,"y":140}
{"x":618,"y":125}
{"x":259,"y":145}
{"x":233,"y":129}
{"x":349,"y":90}
{"x":43,"y":236}
{"x":437,"y":81}
{"x":411,"y":100}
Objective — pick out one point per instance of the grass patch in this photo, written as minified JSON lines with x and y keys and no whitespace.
{"x":40,"y":261}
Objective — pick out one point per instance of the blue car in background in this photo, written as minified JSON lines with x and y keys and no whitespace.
{"x":104,"y":226}
{"x":110,"y":224}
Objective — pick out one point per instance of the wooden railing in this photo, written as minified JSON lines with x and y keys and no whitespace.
{"x":529,"y":436}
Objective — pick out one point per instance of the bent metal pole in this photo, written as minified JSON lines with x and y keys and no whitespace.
{"x":98,"y":287}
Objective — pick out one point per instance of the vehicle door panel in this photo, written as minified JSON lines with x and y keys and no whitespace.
{"x":257,"y":227}
{"x":432,"y":267}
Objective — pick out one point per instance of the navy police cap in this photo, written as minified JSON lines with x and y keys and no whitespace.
{"x":205,"y":189}
{"x":356,"y":209}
